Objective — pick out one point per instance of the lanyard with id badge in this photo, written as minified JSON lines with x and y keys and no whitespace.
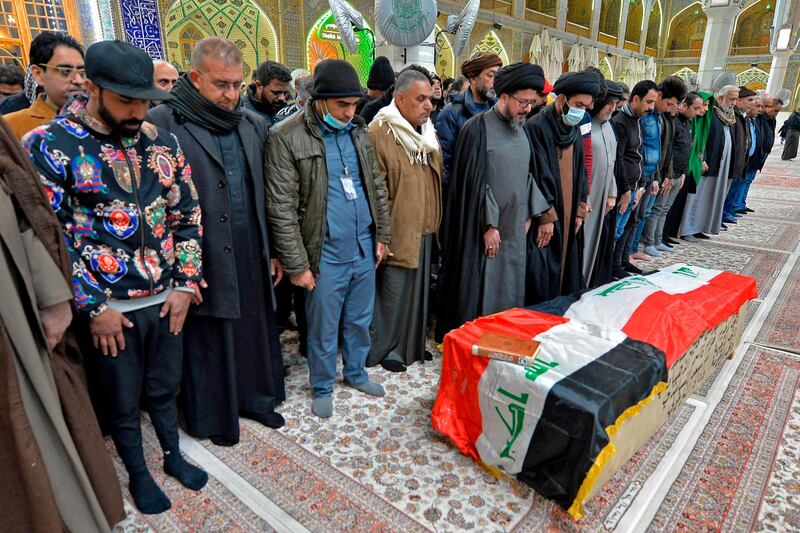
{"x":347,"y":181}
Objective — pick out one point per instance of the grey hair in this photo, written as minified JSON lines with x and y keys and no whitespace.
{"x":218,"y":48}
{"x":723,"y":92}
{"x":299,"y":73}
{"x":407,"y":79}
{"x":304,"y":89}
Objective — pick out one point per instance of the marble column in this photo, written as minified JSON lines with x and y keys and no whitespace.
{"x":777,"y":71}
{"x":716,"y":43}
{"x":623,"y":24}
{"x":561,"y":15}
{"x":594,"y":28}
{"x":648,"y":5}
{"x":780,"y":59}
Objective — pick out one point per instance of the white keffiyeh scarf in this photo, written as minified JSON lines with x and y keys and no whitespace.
{"x":416,"y":145}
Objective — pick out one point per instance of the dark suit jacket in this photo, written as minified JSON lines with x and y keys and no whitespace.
{"x":221,"y":298}
{"x":715,"y":145}
{"x":766,"y":126}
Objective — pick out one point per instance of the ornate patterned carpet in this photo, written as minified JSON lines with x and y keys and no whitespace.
{"x":780,"y":328}
{"x":734,"y":480}
{"x":378,"y":465}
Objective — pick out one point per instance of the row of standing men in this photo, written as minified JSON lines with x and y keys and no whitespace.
{"x":499,"y":187}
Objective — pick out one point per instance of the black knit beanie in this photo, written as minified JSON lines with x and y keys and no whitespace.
{"x":335,"y":78}
{"x":381,"y":75}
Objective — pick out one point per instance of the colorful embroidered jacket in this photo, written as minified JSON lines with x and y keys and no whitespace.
{"x":128,"y":207}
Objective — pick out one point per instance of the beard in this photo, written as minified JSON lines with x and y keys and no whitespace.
{"x":515,"y":122}
{"x":121,"y":128}
{"x":486,"y":92}
{"x":274,"y":107}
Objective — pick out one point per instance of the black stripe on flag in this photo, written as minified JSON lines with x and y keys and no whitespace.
{"x":557,"y":306}
{"x":571,"y":431}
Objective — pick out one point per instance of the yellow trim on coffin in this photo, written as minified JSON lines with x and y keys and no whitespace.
{"x":576,"y":509}
{"x":605,"y":455}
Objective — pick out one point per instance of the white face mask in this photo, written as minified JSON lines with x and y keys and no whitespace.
{"x":573,"y":115}
{"x":332,"y":121}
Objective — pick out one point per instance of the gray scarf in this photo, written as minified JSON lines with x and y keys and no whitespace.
{"x":189,"y":105}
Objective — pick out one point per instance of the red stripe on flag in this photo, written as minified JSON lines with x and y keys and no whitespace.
{"x":672,"y":322}
{"x":457,"y":412}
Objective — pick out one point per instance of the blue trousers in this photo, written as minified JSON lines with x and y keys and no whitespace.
{"x":749,"y":178}
{"x":734,"y":198}
{"x":623,"y":218}
{"x":346,"y":292}
{"x":648,"y":210}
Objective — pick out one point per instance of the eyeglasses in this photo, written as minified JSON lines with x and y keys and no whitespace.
{"x":224,"y":85}
{"x":65,"y":71}
{"x":522,"y":102}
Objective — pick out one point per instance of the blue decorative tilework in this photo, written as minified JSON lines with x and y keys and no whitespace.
{"x":107,"y":23}
{"x":140,"y":22}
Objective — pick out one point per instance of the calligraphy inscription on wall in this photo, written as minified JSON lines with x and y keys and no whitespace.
{"x":140,"y":21}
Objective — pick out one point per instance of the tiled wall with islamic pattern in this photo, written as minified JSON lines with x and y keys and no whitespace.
{"x":140,"y":21}
{"x":90,"y":32}
{"x":294,"y":41}
{"x":106,"y":20}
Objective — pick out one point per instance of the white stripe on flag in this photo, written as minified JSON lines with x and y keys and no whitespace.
{"x":512,"y":397}
{"x":613,"y":304}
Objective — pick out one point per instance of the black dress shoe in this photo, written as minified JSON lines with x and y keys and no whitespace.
{"x":748,"y":210}
{"x":393,"y":366}
{"x":630,"y":267}
{"x":271,"y":420}
{"x":218,"y":440}
{"x":617,"y":272}
{"x":670,"y":241}
{"x":723,"y":227}
{"x":701,"y":236}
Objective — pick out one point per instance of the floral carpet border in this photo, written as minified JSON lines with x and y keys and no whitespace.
{"x":781,"y":328}
{"x":213,"y":509}
{"x":724,"y":481}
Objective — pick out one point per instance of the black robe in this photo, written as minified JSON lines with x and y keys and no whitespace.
{"x":461,"y":233}
{"x":227,"y":373}
{"x":544,"y":268}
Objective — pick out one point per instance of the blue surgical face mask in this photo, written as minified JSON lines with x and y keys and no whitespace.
{"x":573,"y":115}
{"x":332,"y":121}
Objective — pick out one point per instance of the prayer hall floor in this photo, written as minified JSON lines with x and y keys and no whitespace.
{"x":728,"y":461}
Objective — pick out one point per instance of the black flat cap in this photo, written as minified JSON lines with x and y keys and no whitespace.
{"x":124,"y":69}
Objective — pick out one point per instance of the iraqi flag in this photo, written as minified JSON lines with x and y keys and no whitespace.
{"x":604,"y":354}
{"x":669,"y":309}
{"x":545,"y":423}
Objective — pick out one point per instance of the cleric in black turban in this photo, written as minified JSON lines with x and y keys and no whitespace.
{"x":555,"y":241}
{"x":518,"y":77}
{"x":571,"y":83}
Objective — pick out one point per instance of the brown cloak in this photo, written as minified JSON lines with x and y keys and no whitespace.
{"x":31,"y":505}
